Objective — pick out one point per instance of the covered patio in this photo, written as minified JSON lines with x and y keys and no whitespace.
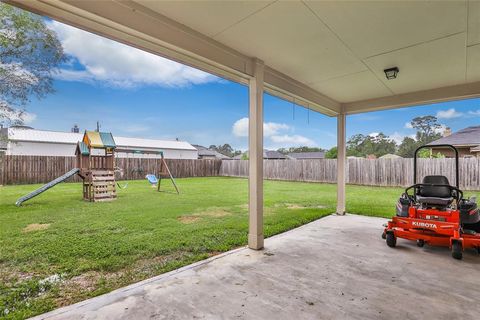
{"x":333,"y":268}
{"x":330,"y":57}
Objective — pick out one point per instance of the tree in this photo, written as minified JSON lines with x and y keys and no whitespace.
{"x":225,"y":149}
{"x":427,"y":129}
{"x":407,"y":147}
{"x":332,"y":153}
{"x":360,"y":145}
{"x":299,"y":149}
{"x":29,"y":56}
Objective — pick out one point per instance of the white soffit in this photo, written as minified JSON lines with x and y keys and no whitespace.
{"x":207,"y":17}
{"x":473,"y":22}
{"x":357,"y":86}
{"x":439,"y":63}
{"x":473,"y":63}
{"x":291,"y":39}
{"x":373,"y":27}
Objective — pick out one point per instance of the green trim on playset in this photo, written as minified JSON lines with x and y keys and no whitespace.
{"x":82,"y":146}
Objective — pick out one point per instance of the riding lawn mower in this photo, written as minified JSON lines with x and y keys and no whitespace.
{"x":436,"y":213}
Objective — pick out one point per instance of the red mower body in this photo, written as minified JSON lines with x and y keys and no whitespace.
{"x":436,"y":214}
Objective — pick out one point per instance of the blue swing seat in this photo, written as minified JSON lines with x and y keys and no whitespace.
{"x":152,"y":179}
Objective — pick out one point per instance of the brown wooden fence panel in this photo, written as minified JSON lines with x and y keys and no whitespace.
{"x":41,"y":169}
{"x":378,"y":172}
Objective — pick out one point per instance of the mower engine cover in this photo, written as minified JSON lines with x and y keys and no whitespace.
{"x":402,"y":206}
{"x":469,"y":212}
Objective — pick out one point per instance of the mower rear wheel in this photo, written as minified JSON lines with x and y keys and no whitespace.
{"x":420,"y":243}
{"x":457,"y":250}
{"x":391,"y":240}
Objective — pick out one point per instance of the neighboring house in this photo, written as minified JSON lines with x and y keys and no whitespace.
{"x":307,"y":155}
{"x":3,"y":140}
{"x":467,"y":142}
{"x":34,"y":142}
{"x":267,"y":155}
{"x":205,"y":153}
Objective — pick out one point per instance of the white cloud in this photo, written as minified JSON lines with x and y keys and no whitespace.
{"x":240,"y":128}
{"x":440,"y":129}
{"x":116,"y":64}
{"x":373,"y":134}
{"x":28,"y":117}
{"x":408,"y":125}
{"x":448,"y":114}
{"x":292,"y":140}
{"x":398,"y":137}
{"x":474,"y":113}
{"x":274,"y":134}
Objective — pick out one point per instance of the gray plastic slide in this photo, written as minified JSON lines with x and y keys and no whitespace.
{"x":46,"y":186}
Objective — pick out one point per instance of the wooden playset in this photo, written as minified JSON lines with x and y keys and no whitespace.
{"x":96,"y":166}
{"x":96,"y":161}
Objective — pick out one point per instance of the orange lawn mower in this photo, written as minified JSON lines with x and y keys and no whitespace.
{"x":435,"y":213}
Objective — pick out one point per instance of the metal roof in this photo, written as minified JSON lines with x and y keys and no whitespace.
{"x":33,"y":135}
{"x":466,"y":137}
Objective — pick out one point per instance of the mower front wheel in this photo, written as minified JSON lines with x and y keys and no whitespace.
{"x":420,"y":243}
{"x":457,"y":250}
{"x":384,"y":236}
{"x":391,"y":239}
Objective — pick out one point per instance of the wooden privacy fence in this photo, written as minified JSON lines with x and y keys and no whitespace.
{"x":378,"y":172}
{"x":41,"y":169}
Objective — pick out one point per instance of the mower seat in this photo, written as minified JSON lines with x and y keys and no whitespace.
{"x":435,"y":195}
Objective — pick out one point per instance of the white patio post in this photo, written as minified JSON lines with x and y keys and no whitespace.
{"x":255,"y":162}
{"x":341,"y":163}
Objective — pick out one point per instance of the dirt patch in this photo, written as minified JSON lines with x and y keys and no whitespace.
{"x":74,"y":289}
{"x":188,"y":219}
{"x":214,"y":212}
{"x":36,"y":227}
{"x":295,"y":206}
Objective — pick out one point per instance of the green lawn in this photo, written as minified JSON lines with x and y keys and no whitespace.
{"x":58,"y":249}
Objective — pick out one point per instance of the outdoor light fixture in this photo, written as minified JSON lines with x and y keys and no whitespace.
{"x":391,"y":73}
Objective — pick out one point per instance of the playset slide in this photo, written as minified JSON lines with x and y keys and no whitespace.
{"x":47,"y":186}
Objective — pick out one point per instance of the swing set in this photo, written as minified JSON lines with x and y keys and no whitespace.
{"x":163,"y":172}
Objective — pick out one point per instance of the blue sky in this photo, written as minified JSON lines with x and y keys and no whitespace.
{"x":133,"y":93}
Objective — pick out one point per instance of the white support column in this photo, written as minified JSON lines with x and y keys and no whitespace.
{"x":255,"y":163}
{"x":341,"y":163}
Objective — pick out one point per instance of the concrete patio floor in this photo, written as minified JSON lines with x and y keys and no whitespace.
{"x":337,"y":267}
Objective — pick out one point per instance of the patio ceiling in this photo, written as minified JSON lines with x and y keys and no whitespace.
{"x":328,"y":56}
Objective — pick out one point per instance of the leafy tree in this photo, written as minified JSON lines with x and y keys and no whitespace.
{"x":360,"y":145}
{"x":427,"y":129}
{"x":29,"y":55}
{"x":427,"y":153}
{"x":225,"y":149}
{"x":332,"y":153}
{"x":407,"y":147}
{"x":299,"y":149}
